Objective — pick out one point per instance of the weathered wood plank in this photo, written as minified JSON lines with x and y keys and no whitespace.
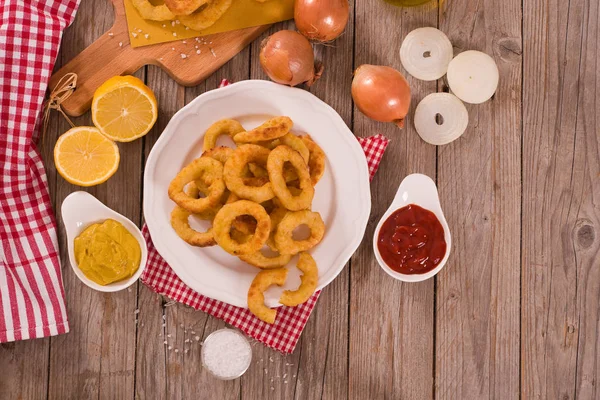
{"x":391,"y":323}
{"x":477,"y":346}
{"x":24,"y":368}
{"x":560,"y":274}
{"x":96,"y":359}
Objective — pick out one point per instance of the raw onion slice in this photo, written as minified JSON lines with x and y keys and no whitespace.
{"x":441,"y":118}
{"x":473,"y":76}
{"x":425,"y":53}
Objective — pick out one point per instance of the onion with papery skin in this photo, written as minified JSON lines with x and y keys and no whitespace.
{"x":288,"y":58}
{"x":381,"y":93}
{"x":321,"y":20}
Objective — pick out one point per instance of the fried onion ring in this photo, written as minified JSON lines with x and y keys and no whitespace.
{"x":308,"y":282}
{"x":259,"y":260}
{"x":224,"y":220}
{"x":221,"y":153}
{"x":256,"y":297}
{"x":229,"y":127}
{"x":233,"y":170}
{"x":283,"y":236}
{"x":152,"y":12}
{"x":192,"y":172}
{"x":193,"y":191}
{"x":275,"y":164}
{"x":296,"y":143}
{"x":206,"y":15}
{"x":271,"y":129}
{"x":316,"y":160}
{"x":181,"y":225}
{"x":184,"y":7}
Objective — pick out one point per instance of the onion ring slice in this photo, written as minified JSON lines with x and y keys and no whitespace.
{"x":194,"y":171}
{"x":316,"y":160}
{"x":181,"y":225}
{"x":256,"y":297}
{"x":473,"y":76}
{"x":223,"y":222}
{"x":234,"y":168}
{"x":440,"y":118}
{"x":275,"y":164}
{"x":308,"y":282}
{"x":283,"y":236}
{"x":229,"y":127}
{"x":271,"y":129}
{"x":184,"y":7}
{"x":206,"y":15}
{"x":425,"y":53}
{"x":154,"y":13}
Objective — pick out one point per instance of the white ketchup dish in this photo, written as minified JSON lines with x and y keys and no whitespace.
{"x":419,"y":190}
{"x":80,"y":210}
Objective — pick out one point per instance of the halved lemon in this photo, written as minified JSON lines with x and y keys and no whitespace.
{"x":85,"y":157}
{"x":124,"y":109}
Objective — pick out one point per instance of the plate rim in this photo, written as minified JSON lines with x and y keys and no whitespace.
{"x":347,"y":135}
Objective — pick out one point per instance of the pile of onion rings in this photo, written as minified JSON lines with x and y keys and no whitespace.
{"x":256,"y":196}
{"x":194,"y":14}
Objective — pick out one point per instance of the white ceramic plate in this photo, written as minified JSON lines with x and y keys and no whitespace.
{"x":342,"y":197}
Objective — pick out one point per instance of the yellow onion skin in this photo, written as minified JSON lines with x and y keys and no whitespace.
{"x":381,"y":93}
{"x":321,"y":20}
{"x":287,"y":58}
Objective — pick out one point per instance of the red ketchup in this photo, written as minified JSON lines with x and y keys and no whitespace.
{"x":411,"y":240}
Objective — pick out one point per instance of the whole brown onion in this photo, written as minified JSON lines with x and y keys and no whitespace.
{"x":381,"y":93}
{"x":288,"y":58}
{"x":321,"y":20}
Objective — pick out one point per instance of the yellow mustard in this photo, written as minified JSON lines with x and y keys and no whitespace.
{"x":107,"y":252}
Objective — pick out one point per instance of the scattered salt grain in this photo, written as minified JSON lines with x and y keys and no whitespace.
{"x":136,"y":311}
{"x":177,"y":22}
{"x":187,"y":28}
{"x":197,"y":338}
{"x":173,"y":48}
{"x":226,"y":354}
{"x":120,"y":44}
{"x":172,"y":23}
{"x":165,"y":342}
{"x":193,"y":333}
{"x":213,"y":52}
{"x":111,"y":35}
{"x":186,"y":341}
{"x":198,"y":52}
{"x":169,"y":335}
{"x":272,"y":388}
{"x":176,"y":350}
{"x":164,"y":26}
{"x":284,"y":381}
{"x":183,"y":55}
{"x":170,"y":347}
{"x":186,"y":351}
{"x":134,"y":34}
{"x":184,"y":42}
{"x":139,"y":30}
{"x":284,"y":375}
{"x":147,"y":36}
{"x":174,"y":33}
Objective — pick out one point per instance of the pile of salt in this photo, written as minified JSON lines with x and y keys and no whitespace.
{"x":226,"y":353}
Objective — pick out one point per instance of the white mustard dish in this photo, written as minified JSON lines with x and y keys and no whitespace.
{"x":416,"y":189}
{"x":80,"y":210}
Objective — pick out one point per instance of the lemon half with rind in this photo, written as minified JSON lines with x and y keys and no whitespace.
{"x":124,"y":109}
{"x":85,"y":157}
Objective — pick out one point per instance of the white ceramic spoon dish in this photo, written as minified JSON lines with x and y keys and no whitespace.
{"x":80,"y":210}
{"x":416,"y":189}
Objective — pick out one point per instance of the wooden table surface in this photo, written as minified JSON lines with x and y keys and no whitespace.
{"x":514,"y":313}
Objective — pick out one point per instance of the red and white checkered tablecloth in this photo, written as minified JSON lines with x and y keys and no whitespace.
{"x":32,"y":301}
{"x":285,"y":332}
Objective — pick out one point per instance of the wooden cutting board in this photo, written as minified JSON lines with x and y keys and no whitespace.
{"x":112,"y":55}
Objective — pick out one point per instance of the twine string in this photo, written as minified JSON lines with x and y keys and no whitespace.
{"x":61,"y":92}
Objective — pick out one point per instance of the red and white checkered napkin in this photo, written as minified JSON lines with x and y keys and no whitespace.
{"x":284,"y":334}
{"x":32,"y":300}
